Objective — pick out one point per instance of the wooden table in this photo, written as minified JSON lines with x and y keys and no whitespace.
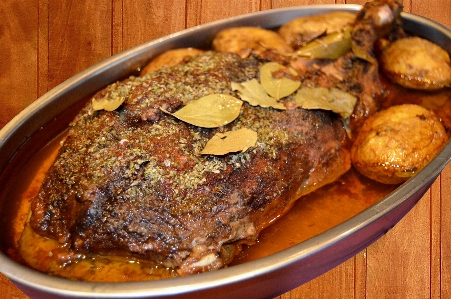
{"x":44,"y":42}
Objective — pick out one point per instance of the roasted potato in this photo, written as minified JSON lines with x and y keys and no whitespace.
{"x":396,"y":143}
{"x":416,"y":63}
{"x":169,"y":58}
{"x":298,"y":32}
{"x":246,"y":40}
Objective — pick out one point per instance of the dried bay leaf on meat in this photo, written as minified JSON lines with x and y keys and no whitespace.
{"x":254,"y":93}
{"x":331,"y":46}
{"x":229,"y":142}
{"x":332,"y":99}
{"x":363,"y":54}
{"x":107,"y":103}
{"x":211,"y":111}
{"x":278,"y":80}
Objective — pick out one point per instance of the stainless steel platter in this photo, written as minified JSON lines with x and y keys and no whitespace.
{"x":263,"y":278}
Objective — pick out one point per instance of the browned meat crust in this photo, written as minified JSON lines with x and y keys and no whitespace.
{"x":132,"y":181}
{"x":376,"y":20}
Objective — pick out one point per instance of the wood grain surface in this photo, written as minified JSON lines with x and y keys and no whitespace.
{"x":44,"y":42}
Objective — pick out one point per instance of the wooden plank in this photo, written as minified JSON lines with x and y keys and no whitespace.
{"x":435,"y":214}
{"x":8,"y":290}
{"x":286,"y":3}
{"x":437,"y":10}
{"x":337,"y":283}
{"x":193,"y":13}
{"x":79,"y":36}
{"x":18,"y":59}
{"x":265,"y":4}
{"x":43,"y":47}
{"x":445,"y":233}
{"x":201,"y":12}
{"x":146,"y":20}
{"x":117,"y":31}
{"x":360,"y":271}
{"x":398,"y":265}
{"x":19,"y":75}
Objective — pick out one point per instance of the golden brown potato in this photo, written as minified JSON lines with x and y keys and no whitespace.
{"x":396,"y":143}
{"x":169,"y":58}
{"x":417,"y":63}
{"x":246,"y":40}
{"x":302,"y":30}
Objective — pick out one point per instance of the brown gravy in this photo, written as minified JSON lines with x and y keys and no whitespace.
{"x":310,"y":216}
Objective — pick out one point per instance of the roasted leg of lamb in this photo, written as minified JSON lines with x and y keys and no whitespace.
{"x":133,"y":181}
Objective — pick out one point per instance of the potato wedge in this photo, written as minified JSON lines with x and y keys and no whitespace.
{"x":247,"y":39}
{"x":298,"y":32}
{"x":396,"y":143}
{"x":416,"y":63}
{"x":169,"y":58}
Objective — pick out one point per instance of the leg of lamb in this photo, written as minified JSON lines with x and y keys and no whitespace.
{"x":133,"y":181}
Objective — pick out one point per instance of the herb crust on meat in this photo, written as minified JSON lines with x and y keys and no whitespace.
{"x":133,"y":181}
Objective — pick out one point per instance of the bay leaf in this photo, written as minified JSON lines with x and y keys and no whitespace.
{"x":331,"y":46}
{"x":253,"y":92}
{"x":229,"y":142}
{"x":211,"y":111}
{"x":278,"y":87}
{"x":332,"y":99}
{"x":107,"y":103}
